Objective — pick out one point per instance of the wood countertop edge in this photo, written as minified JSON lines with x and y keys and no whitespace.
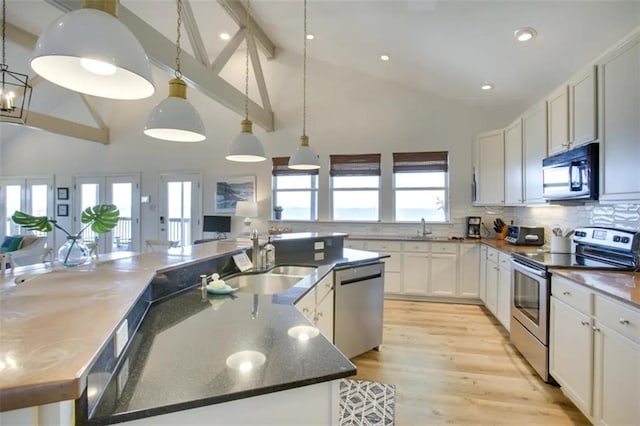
{"x":31,"y":396}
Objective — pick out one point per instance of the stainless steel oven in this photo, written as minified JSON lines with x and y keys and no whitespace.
{"x":596,"y":248}
{"x":530,"y":310}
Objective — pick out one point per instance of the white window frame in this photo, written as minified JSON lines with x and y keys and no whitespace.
{"x":377,"y":188}
{"x":313,"y":189}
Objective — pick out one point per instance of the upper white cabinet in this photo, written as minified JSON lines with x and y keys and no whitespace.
{"x":489,"y":168}
{"x":534,"y":145}
{"x":513,"y":163}
{"x":619,"y":112}
{"x":582,"y":107}
{"x":558,"y":119}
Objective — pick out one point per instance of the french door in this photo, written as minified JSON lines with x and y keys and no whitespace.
{"x":179,"y":210}
{"x":29,"y":195}
{"x":124,"y":192}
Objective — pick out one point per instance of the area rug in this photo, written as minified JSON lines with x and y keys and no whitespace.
{"x":366,"y":403}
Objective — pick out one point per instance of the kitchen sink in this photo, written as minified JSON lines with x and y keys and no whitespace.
{"x":262,"y":283}
{"x":292,"y":270}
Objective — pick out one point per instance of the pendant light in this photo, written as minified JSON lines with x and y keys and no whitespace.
{"x":246,"y":147}
{"x":304,"y":158}
{"x":12,"y":85}
{"x":175,"y":119}
{"x":90,"y":51}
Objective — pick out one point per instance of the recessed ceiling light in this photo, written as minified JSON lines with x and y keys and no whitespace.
{"x":384,"y":57}
{"x":525,"y":33}
{"x":487,"y":85}
{"x":310,"y":36}
{"x":225,"y":36}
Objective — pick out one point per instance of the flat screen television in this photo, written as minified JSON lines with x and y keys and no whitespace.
{"x":217,"y":224}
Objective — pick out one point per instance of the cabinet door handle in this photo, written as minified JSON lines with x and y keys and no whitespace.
{"x":585,"y":322}
{"x":623,"y":321}
{"x":566,"y":293}
{"x":305,"y":310}
{"x":596,"y":329}
{"x":318,"y":316}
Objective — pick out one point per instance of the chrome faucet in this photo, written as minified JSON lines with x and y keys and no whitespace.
{"x":255,"y":254}
{"x":424,"y":228}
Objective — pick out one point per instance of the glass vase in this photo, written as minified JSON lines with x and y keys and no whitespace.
{"x":73,"y":252}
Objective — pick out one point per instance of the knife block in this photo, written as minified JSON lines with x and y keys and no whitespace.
{"x":502,"y":234}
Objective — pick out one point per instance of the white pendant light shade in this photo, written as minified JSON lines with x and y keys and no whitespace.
{"x":90,"y":51}
{"x":246,"y":147}
{"x":175,"y":119}
{"x":304,"y":158}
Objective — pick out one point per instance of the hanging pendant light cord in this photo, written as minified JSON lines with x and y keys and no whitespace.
{"x":304,"y":75}
{"x":247,"y":31}
{"x":4,"y":33}
{"x":178,"y":73}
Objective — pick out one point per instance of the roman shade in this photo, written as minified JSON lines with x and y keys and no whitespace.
{"x":355,"y":165}
{"x":408,"y":162}
{"x":281,"y":168}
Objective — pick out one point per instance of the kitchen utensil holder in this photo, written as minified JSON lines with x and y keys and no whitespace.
{"x":560,"y":244}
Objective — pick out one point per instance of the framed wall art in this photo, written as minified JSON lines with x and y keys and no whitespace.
{"x":63,"y":210}
{"x":63,"y":193}
{"x":233,"y":189}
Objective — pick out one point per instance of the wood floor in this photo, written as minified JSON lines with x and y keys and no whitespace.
{"x":453,"y":364}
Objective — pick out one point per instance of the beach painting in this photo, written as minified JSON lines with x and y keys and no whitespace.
{"x":230,"y":190}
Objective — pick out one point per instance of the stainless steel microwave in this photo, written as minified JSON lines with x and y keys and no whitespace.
{"x":571,"y":175}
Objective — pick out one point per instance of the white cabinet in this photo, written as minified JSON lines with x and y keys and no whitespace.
{"x":469,"y":275}
{"x":317,"y":306}
{"x":582,"y":107}
{"x":504,"y":291}
{"x":416,"y":273}
{"x":489,"y":168}
{"x":513,"y":163}
{"x":558,"y":120}
{"x":483,"y":273}
{"x":534,"y":145}
{"x":492,"y":277}
{"x":354,"y":244}
{"x":617,"y":363}
{"x":571,"y":355}
{"x":443,"y":278}
{"x":594,"y":352}
{"x":392,"y":264}
{"x":619,"y":118}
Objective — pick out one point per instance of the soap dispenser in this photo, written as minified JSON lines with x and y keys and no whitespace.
{"x":270,"y":255}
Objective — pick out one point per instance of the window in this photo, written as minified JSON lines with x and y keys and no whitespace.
{"x":421,"y":186}
{"x":355,"y":187}
{"x":296,"y":191}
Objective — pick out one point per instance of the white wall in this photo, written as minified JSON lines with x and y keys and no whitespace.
{"x":347,"y":112}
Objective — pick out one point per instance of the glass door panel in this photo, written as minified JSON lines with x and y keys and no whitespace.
{"x":180,"y":208}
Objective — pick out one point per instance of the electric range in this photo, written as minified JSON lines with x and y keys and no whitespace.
{"x":595,"y":248}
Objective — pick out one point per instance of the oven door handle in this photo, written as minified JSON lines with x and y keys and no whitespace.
{"x":528,"y":270}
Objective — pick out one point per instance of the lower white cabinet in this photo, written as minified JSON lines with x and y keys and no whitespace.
{"x":421,"y":269}
{"x":497,"y":280}
{"x":483,"y":274}
{"x":571,"y":360}
{"x":317,"y":306}
{"x":594,"y":352}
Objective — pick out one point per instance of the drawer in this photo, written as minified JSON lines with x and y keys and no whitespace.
{"x":354,"y":244}
{"x":444,"y":248}
{"x":622,"y":319}
{"x":504,"y":260}
{"x":574,"y":295}
{"x":384,"y":246}
{"x":392,"y":264}
{"x":492,"y":255}
{"x":323,"y":287}
{"x":417,"y":246}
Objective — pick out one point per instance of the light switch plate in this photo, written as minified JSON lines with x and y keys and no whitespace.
{"x":318,"y":256}
{"x":318,"y":245}
{"x":122,"y":337}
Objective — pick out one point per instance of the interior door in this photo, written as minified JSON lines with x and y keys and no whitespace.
{"x":179,"y":211}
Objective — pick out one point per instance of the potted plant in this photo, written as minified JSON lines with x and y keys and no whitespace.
{"x":277,"y":212}
{"x":102,"y":218}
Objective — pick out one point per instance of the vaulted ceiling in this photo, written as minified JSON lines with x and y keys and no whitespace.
{"x":446,"y":47}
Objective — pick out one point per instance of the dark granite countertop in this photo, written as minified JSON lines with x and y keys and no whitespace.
{"x":179,"y":358}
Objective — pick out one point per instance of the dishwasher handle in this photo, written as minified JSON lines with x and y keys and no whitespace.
{"x":359,"y":274}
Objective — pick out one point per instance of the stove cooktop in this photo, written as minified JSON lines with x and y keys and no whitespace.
{"x":566,"y":260}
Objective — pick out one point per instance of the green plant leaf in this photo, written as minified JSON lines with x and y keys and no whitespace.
{"x":33,"y":223}
{"x":103,"y":217}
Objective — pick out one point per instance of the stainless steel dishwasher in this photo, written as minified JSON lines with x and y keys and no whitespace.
{"x":359,"y":300}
